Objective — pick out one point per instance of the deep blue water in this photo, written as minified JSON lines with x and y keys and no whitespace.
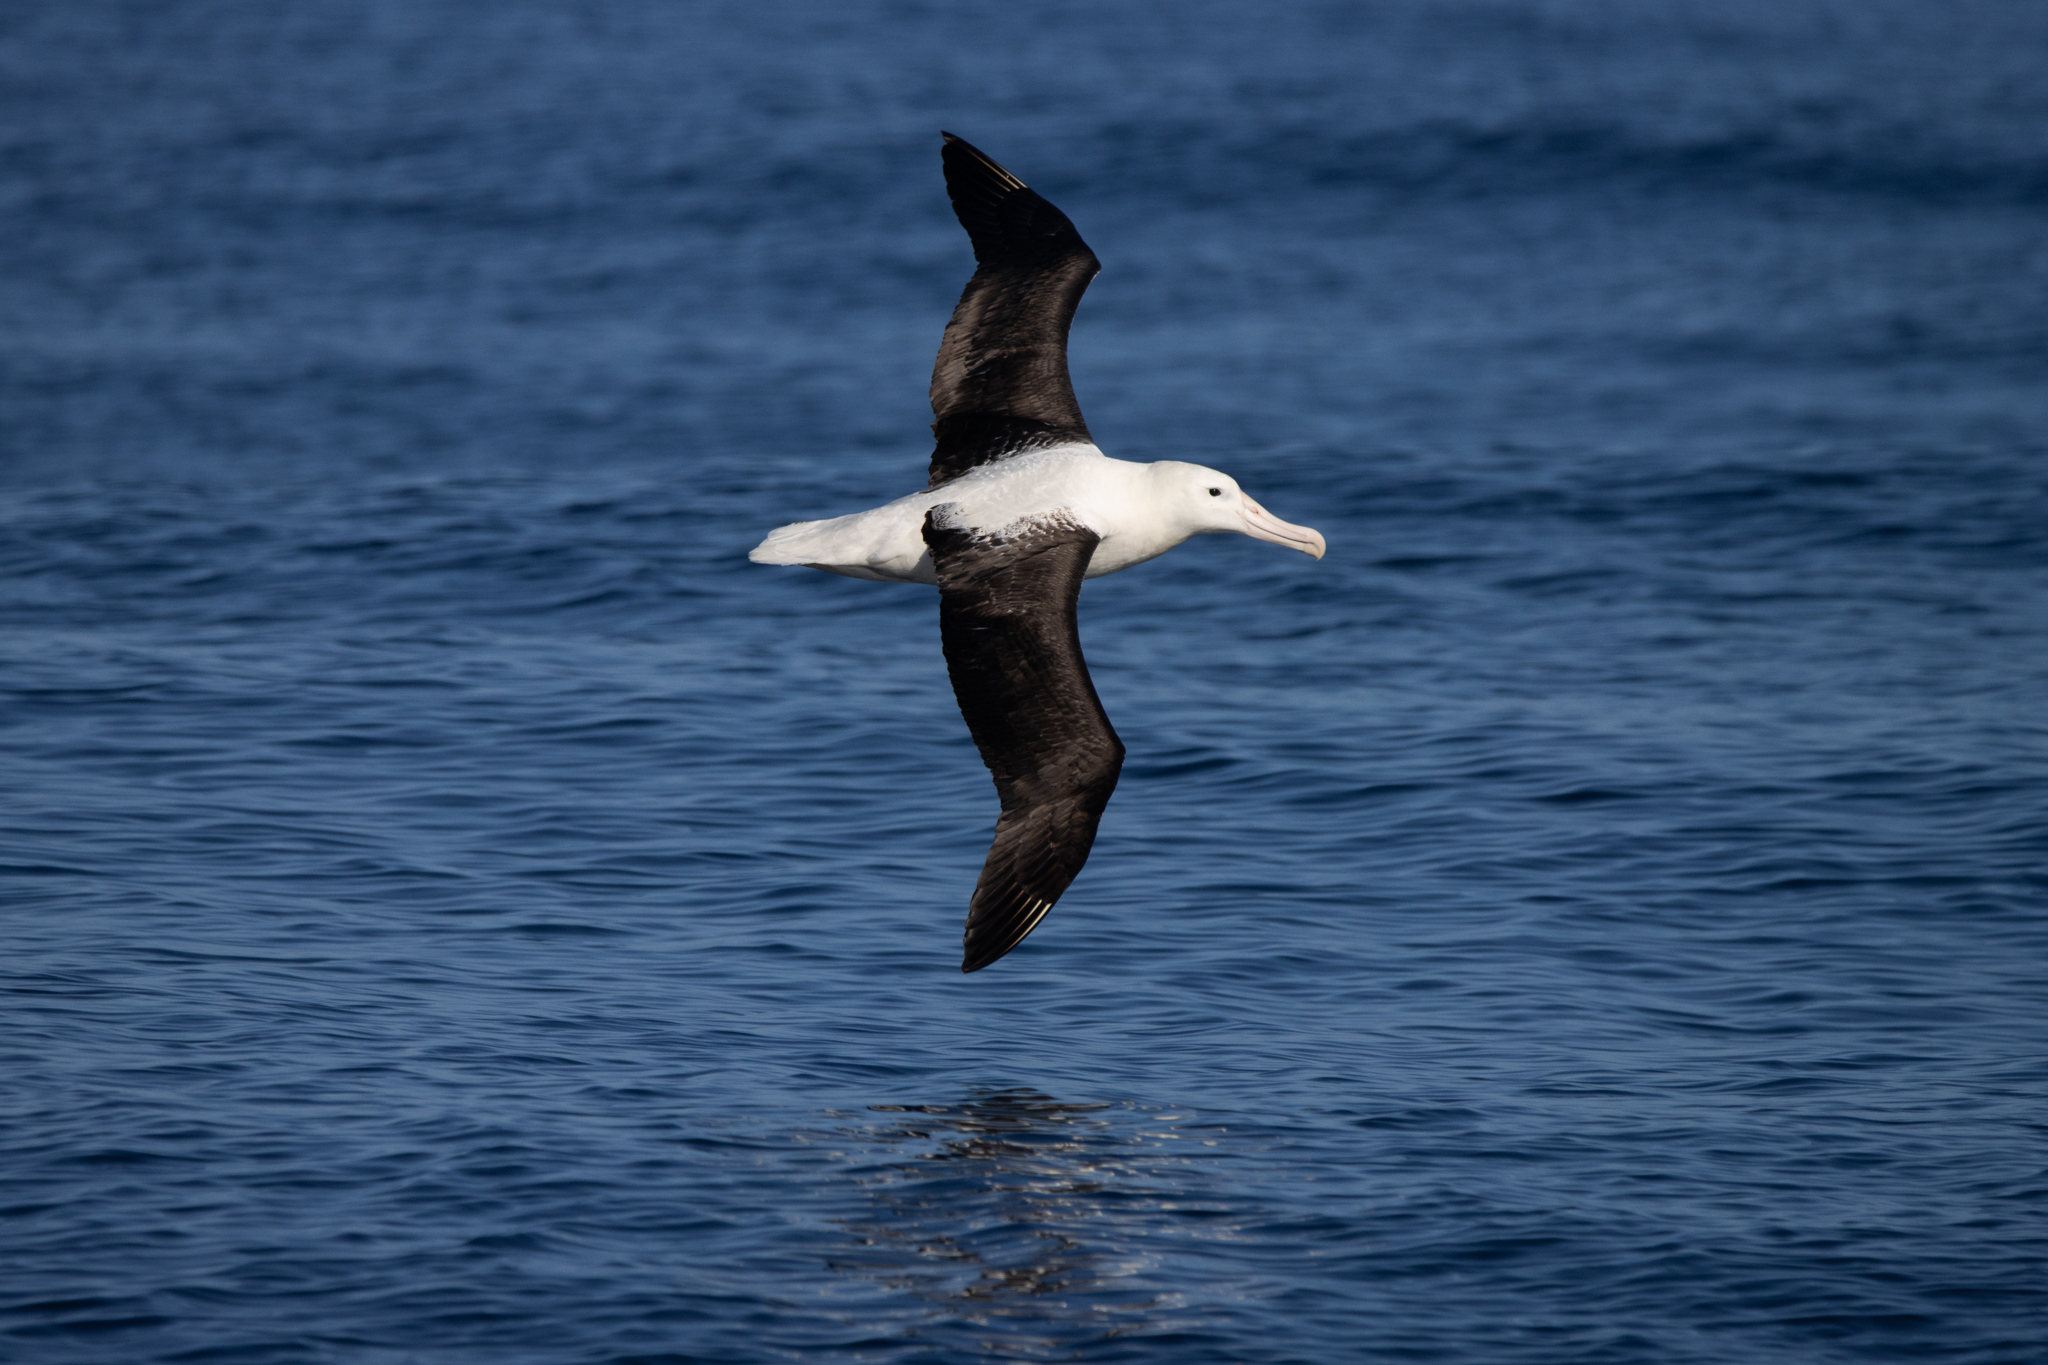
{"x":458,"y":910}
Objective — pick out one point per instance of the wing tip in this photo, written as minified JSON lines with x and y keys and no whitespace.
{"x":974,"y":962}
{"x":953,"y":144}
{"x":994,"y":948}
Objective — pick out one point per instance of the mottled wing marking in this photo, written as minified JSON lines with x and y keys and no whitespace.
{"x":1007,"y":619}
{"x":1000,"y":385}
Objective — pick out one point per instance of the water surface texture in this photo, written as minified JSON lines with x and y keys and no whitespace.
{"x":457,"y":910}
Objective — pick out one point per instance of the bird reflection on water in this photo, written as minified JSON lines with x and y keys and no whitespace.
{"x":1027,"y":1205}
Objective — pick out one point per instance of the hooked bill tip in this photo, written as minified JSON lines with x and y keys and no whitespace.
{"x":1260,"y":524}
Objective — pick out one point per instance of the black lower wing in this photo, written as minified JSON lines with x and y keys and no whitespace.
{"x":1007,"y":619}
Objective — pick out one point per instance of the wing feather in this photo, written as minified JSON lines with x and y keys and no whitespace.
{"x":1000,"y":385}
{"x":1007,"y":619}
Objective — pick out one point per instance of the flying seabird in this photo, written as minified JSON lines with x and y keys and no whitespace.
{"x":1020,"y":508}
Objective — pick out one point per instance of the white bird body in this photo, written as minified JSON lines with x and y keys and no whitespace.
{"x":1140,"y":511}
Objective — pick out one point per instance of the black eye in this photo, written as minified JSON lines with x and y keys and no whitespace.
{"x":1215,"y":492}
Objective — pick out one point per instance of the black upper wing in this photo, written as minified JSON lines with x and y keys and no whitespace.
{"x":1000,"y":385}
{"x":1007,"y":621}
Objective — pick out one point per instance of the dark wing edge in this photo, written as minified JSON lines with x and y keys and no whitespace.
{"x":1008,"y":622}
{"x":1000,"y":385}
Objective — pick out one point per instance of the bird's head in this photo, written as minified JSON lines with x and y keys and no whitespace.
{"x":1209,"y":502}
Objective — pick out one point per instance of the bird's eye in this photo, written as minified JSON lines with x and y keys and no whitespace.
{"x":1215,"y":492}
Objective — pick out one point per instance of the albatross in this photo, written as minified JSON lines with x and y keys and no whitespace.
{"x":1020,"y":508}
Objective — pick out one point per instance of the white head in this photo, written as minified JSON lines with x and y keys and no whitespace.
{"x":1203,"y":502}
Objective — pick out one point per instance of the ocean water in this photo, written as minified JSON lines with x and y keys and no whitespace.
{"x":456,"y":909}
